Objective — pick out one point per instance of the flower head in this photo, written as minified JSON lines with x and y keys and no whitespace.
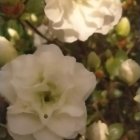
{"x":47,"y":93}
{"x":78,"y":19}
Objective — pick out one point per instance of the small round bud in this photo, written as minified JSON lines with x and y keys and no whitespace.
{"x":129,"y":71}
{"x":93,"y":60}
{"x":123,"y":27}
{"x":115,"y":131}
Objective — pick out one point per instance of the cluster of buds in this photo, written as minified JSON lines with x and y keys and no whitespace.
{"x":11,"y":8}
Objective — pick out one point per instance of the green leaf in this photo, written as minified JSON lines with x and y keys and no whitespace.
{"x":93,"y":60}
{"x":11,"y":2}
{"x":112,"y":66}
{"x":35,"y":6}
{"x":121,"y":55}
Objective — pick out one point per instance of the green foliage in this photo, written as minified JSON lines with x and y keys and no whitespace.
{"x":112,"y":101}
{"x":113,"y":63}
{"x":115,"y":131}
{"x":93,"y":60}
{"x":35,"y":6}
{"x":34,"y":11}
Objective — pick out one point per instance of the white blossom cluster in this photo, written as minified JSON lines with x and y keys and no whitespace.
{"x":72,"y":20}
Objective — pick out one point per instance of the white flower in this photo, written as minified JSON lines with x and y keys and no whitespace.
{"x":98,"y":131}
{"x":129,"y":71}
{"x":7,"y":51}
{"x":78,"y":19}
{"x":47,"y":93}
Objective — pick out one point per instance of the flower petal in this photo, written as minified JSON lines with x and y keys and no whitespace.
{"x":45,"y":134}
{"x":66,"y":126}
{"x":23,"y":124}
{"x":73,"y":108}
{"x":53,"y":49}
{"x":86,"y":83}
{"x":6,"y":89}
{"x":21,"y":137}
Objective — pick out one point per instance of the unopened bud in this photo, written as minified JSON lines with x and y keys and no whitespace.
{"x":12,"y":10}
{"x":123,"y":27}
{"x":129,"y":71}
{"x":93,"y":60}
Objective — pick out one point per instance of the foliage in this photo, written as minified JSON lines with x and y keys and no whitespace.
{"x":112,"y":101}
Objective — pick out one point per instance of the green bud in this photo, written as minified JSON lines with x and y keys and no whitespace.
{"x":112,"y":66}
{"x":115,"y":131}
{"x":93,"y":60}
{"x":123,"y":27}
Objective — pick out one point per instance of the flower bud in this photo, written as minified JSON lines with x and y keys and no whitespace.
{"x":116,"y":131}
{"x":93,"y":60}
{"x":123,"y":27}
{"x":10,"y":2}
{"x":97,"y":131}
{"x":137,"y":97}
{"x":7,"y":51}
{"x":12,"y":10}
{"x":129,"y":71}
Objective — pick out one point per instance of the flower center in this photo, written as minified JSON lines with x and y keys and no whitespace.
{"x":45,"y":116}
{"x":47,"y":96}
{"x":46,"y":100}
